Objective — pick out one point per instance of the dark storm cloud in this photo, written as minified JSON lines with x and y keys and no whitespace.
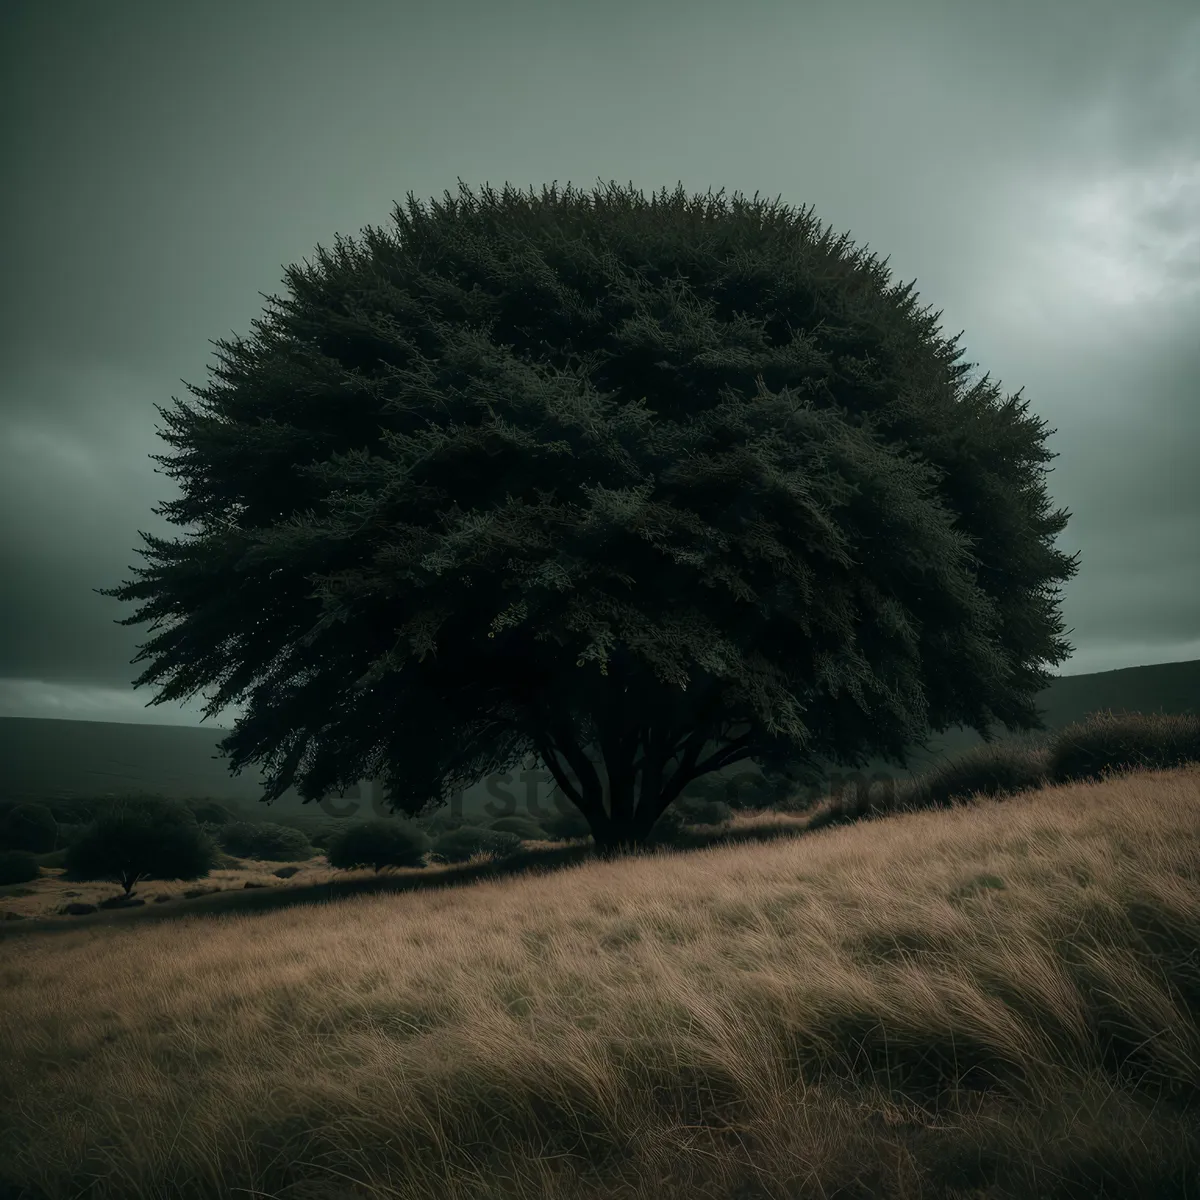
{"x":1036,"y":169}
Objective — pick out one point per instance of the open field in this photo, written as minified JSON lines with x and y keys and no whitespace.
{"x":999,"y":999}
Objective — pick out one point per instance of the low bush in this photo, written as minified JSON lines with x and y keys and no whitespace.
{"x":566,"y":824}
{"x":323,"y":836}
{"x":69,"y":833}
{"x":995,"y":770}
{"x":440,"y":822}
{"x":1112,"y":742}
{"x":750,"y":790}
{"x":526,"y":828}
{"x":1088,"y":750}
{"x":18,"y":866}
{"x":142,"y":840}
{"x":459,"y":845}
{"x":75,"y":811}
{"x":264,"y":840}
{"x":30,"y":827}
{"x":697,"y":811}
{"x":378,"y":844}
{"x":211,"y":812}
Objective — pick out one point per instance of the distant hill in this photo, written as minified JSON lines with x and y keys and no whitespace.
{"x":43,"y":759}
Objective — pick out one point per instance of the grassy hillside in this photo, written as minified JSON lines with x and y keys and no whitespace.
{"x":995,"y":998}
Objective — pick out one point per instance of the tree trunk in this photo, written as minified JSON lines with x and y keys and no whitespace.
{"x":617,"y":845}
{"x":625,"y":836}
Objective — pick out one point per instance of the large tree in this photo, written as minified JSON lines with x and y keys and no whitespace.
{"x":643,"y":489}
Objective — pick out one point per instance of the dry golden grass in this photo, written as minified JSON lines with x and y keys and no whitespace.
{"x":996,"y":1000}
{"x":45,"y":897}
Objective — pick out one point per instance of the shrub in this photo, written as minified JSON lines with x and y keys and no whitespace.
{"x":69,"y":833}
{"x":458,"y":845}
{"x":262,"y":839}
{"x":75,"y":811}
{"x":440,"y":822}
{"x":1000,"y":769}
{"x":56,"y":858}
{"x":566,"y":824}
{"x":211,"y":812}
{"x":749,"y":790}
{"x":378,"y":844}
{"x":18,"y":866}
{"x":323,"y":836}
{"x":775,"y":792}
{"x":1113,"y":742}
{"x":699,"y":811}
{"x":29,"y":827}
{"x":726,"y":788}
{"x":986,"y":770}
{"x":146,"y":840}
{"x":1177,"y":738}
{"x":526,"y":828}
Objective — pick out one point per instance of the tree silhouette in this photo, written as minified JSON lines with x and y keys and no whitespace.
{"x":678,"y":483}
{"x":145,"y":839}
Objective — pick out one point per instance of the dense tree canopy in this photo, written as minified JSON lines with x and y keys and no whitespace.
{"x":680,"y":481}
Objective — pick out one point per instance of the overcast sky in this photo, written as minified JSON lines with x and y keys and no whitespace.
{"x":1034,"y":166}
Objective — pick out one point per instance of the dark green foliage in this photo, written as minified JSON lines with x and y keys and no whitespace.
{"x":778,"y":791}
{"x":996,"y":770}
{"x":677,"y":482}
{"x":703,"y":812}
{"x":75,"y":811}
{"x":264,"y":840}
{"x":526,"y":828}
{"x":985,"y":771}
{"x":18,"y":866}
{"x":458,"y":845}
{"x":322,"y":836}
{"x":1082,"y":751}
{"x":30,"y":827}
{"x":1111,"y":742}
{"x":211,"y":812}
{"x":441,"y":822}
{"x":142,"y":840}
{"x":751,"y":790}
{"x":378,"y":844}
{"x":69,"y":833}
{"x":565,"y":824}
{"x":708,"y":787}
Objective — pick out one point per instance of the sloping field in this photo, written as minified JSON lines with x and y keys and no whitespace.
{"x":998,"y":1000}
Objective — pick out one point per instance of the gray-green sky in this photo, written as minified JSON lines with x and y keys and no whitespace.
{"x":1034,"y":166}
